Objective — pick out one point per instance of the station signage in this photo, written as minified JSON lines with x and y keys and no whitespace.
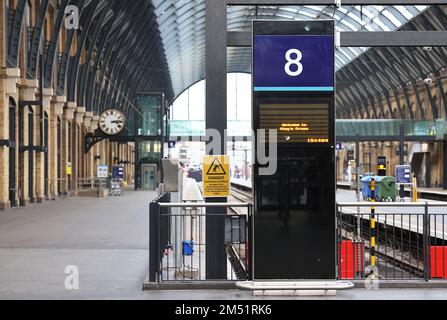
{"x":118,"y":172}
{"x":296,"y":123}
{"x":293,"y":63}
{"x":293,"y":74}
{"x":216,"y":176}
{"x":102,"y":171}
{"x":69,"y":169}
{"x":403,"y":175}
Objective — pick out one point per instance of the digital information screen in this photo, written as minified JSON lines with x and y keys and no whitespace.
{"x":296,"y":123}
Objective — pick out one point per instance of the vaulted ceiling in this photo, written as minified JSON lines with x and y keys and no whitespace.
{"x":126,"y":47}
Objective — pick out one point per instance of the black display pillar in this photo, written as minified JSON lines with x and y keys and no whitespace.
{"x":293,"y":93}
{"x":216,"y":120}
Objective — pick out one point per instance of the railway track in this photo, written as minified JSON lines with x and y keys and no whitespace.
{"x":237,"y":252}
{"x":408,"y":262}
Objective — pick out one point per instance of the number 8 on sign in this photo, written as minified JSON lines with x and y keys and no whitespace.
{"x":294,"y":62}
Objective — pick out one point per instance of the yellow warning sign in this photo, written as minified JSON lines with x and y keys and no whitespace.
{"x":69,"y":170}
{"x":216,"y":176}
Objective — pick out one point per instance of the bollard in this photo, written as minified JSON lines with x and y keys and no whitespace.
{"x":373,"y":224}
{"x":415,"y":190}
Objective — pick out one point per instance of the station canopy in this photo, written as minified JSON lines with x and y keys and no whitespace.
{"x":182,"y":29}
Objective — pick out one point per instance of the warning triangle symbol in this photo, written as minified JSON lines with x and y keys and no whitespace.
{"x":216,"y":169}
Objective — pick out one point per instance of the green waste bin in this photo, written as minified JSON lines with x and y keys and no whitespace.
{"x":385,"y":189}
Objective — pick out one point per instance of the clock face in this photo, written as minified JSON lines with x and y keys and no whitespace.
{"x":112,"y":122}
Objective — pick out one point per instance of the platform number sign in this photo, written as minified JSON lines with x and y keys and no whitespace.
{"x":293,"y":63}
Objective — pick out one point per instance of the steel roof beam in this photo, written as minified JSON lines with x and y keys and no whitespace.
{"x":366,"y":39}
{"x":332,"y":2}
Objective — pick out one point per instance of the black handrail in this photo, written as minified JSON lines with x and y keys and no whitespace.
{"x":154,"y":236}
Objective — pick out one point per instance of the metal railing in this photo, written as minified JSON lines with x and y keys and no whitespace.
{"x":95,"y":185}
{"x":178,"y":241}
{"x":410,"y":241}
{"x":116,"y":187}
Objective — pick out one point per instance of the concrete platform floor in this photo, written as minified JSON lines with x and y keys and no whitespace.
{"x":107,"y":239}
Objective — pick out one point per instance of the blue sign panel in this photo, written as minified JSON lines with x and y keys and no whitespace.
{"x":171,"y":144}
{"x":118,"y":172}
{"x":403,"y":175}
{"x":293,"y":63}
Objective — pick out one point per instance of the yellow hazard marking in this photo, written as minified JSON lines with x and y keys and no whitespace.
{"x":373,"y":261}
{"x":373,"y":223}
{"x":373,"y":242}
{"x":216,"y":176}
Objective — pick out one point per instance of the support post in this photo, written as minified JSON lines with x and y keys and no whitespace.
{"x":373,"y":224}
{"x":216,"y":119}
{"x":154,"y":243}
{"x":426,"y":243}
{"x":444,"y":161}
{"x":402,"y":155}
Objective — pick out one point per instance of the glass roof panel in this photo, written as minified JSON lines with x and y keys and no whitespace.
{"x":182,"y":27}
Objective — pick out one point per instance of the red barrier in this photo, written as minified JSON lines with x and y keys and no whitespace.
{"x":351,"y":260}
{"x":438,"y":262}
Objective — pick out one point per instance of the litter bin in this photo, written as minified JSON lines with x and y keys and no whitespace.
{"x":188,"y":248}
{"x":386,"y":189}
{"x":366,"y":187}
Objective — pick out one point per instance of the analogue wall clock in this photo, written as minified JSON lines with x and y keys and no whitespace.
{"x":112,"y":122}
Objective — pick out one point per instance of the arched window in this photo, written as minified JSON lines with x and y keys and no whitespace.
{"x":188,"y":110}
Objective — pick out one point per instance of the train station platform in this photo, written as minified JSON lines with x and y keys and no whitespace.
{"x":107,"y":239}
{"x":437,"y":194}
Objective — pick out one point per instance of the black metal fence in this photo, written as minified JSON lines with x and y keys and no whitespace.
{"x":399,"y":241}
{"x":157,"y":236}
{"x":178,"y":246}
{"x":395,"y":241}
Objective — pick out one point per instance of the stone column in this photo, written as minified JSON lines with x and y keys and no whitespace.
{"x":104,"y":153}
{"x":28,"y":93}
{"x":56,"y":112}
{"x":78,"y":149}
{"x":3,"y":125}
{"x":9,"y":81}
{"x":4,"y":155}
{"x":88,"y":159}
{"x":67,"y":120}
{"x":129,"y":166}
{"x":45,"y":181}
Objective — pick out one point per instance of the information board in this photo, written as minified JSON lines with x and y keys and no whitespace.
{"x":296,"y":123}
{"x":102,"y":171}
{"x":403,"y":175}
{"x":216,"y":176}
{"x":118,"y":172}
{"x":294,"y":94}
